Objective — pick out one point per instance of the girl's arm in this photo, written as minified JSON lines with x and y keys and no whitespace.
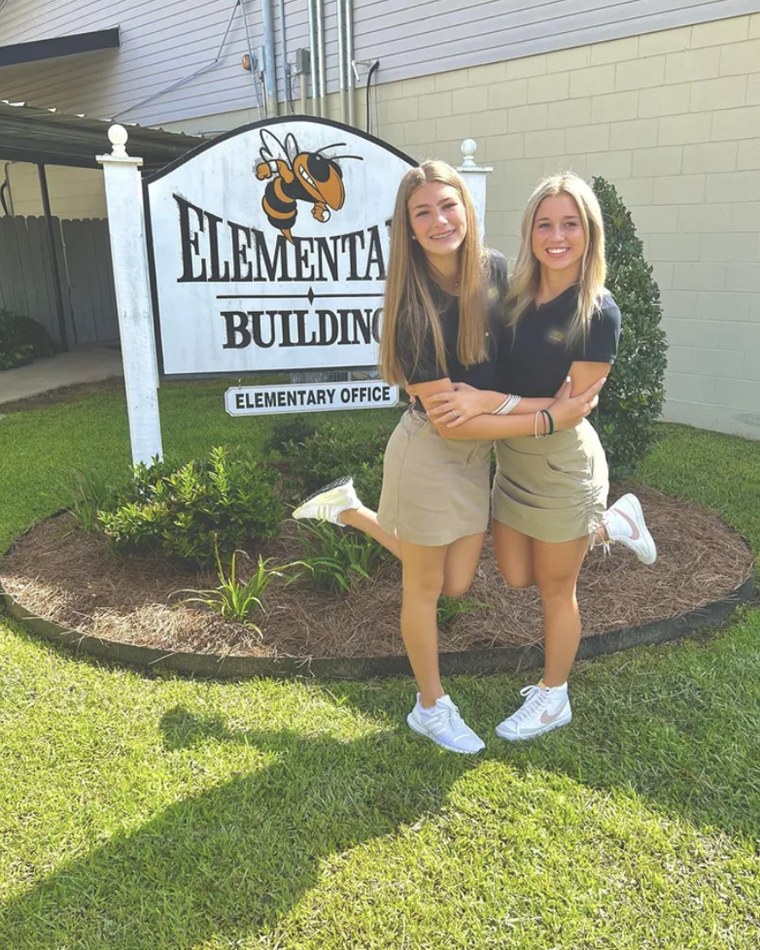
{"x":566,"y":411}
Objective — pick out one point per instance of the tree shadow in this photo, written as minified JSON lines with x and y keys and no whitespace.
{"x":233,"y":859}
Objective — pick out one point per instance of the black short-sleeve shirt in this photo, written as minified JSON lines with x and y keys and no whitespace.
{"x":426,"y":367}
{"x":534,"y":356}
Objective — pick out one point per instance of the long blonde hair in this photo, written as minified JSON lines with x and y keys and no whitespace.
{"x":525,"y":280}
{"x":409,"y":312}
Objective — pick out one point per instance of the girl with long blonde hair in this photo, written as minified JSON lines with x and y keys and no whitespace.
{"x":550,"y":494}
{"x":442,"y":320}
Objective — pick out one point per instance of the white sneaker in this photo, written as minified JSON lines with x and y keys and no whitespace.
{"x":443,"y":724}
{"x":545,"y":708}
{"x":625,"y":525}
{"x":328,"y":503}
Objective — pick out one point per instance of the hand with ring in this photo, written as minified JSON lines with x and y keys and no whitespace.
{"x":458,"y":406}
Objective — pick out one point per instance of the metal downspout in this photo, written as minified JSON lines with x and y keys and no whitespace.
{"x":313,"y":57}
{"x":342,"y":62}
{"x":270,"y":74}
{"x":319,"y":17}
{"x":285,"y":66}
{"x":349,"y":29}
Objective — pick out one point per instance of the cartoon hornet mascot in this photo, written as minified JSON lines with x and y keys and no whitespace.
{"x":298,"y":176}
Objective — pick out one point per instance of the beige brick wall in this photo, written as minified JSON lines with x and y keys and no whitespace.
{"x":74,"y":192}
{"x":672,"y":119}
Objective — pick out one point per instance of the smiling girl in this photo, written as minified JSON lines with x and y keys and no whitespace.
{"x":549,"y":494}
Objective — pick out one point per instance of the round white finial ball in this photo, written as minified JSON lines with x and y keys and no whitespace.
{"x":117,"y":136}
{"x":468,"y":149}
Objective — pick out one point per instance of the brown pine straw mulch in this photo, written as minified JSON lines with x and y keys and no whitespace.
{"x":64,"y":575}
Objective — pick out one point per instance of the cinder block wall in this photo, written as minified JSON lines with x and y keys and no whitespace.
{"x":74,"y":192}
{"x":672,"y":119}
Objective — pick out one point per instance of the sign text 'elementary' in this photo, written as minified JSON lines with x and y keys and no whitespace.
{"x":309,"y":397}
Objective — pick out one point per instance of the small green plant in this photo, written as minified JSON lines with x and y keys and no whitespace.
{"x":339,"y":558}
{"x":89,"y":495}
{"x":631,"y":401}
{"x":449,"y":608}
{"x":239,"y":600}
{"x":193,"y":509}
{"x":22,"y":340}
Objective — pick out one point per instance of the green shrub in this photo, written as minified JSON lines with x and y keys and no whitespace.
{"x":631,"y":401}
{"x":194,"y":509}
{"x":22,"y":339}
{"x":338,"y":558}
{"x":338,"y":449}
{"x":289,"y":429}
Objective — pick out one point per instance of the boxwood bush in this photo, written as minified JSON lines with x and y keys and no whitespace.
{"x":631,"y":401}
{"x":22,"y":339}
{"x":193,"y":509}
{"x":334,"y":449}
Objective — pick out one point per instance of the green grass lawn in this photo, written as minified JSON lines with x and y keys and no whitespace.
{"x":155,"y":812}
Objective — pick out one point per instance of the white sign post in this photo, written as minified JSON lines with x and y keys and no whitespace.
{"x":126,"y":225}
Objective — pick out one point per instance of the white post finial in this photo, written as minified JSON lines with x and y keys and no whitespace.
{"x":468,"y":149}
{"x":475,"y":175}
{"x":117,"y":136}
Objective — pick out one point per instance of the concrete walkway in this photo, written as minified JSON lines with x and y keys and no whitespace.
{"x":82,"y":364}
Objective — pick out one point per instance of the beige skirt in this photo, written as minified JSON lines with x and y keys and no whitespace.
{"x":552,"y":489}
{"x":435,"y":490}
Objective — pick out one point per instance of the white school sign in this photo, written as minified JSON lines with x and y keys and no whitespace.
{"x":270,"y":248}
{"x":264,"y":249}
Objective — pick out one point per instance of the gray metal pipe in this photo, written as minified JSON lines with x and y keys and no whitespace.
{"x":285,"y":66}
{"x":342,"y":62}
{"x":349,"y":29}
{"x":270,"y":74}
{"x":319,"y":16}
{"x":313,"y":56}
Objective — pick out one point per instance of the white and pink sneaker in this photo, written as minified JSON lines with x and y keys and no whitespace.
{"x":545,"y":708}
{"x":624,"y":523}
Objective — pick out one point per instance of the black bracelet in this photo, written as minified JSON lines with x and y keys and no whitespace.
{"x":551,"y":421}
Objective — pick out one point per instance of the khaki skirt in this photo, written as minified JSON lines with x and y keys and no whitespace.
{"x":435,"y":490}
{"x":552,"y":489}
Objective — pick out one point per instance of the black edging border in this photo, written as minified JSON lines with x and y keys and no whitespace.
{"x":491,"y":660}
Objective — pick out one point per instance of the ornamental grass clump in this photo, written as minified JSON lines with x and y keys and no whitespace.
{"x":193,"y":509}
{"x":338,"y":559}
{"x":240,"y":599}
{"x":631,"y":401}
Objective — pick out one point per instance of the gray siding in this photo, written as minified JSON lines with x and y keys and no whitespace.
{"x":165,"y":43}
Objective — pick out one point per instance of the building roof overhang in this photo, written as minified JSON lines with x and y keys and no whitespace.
{"x":36,"y":50}
{"x":49,"y":137}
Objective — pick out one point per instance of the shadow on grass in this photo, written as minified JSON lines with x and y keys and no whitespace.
{"x":235,"y":858}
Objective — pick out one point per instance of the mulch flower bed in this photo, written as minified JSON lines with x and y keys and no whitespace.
{"x":65,"y":575}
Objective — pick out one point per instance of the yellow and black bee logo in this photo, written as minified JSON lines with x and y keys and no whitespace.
{"x":293,"y":176}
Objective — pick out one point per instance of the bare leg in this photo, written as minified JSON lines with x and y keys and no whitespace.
{"x":514,"y":555}
{"x":366,"y":520}
{"x":557,"y":567}
{"x":423,"y":571}
{"x":462,"y":559}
